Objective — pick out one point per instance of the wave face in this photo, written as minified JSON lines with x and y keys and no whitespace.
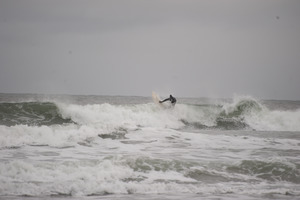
{"x":243,"y":113}
{"x":30,"y":113}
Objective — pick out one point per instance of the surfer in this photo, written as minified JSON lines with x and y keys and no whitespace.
{"x":171,"y":98}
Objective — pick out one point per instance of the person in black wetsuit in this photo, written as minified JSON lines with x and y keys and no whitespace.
{"x":171,"y":98}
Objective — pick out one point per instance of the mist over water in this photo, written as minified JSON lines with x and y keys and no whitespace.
{"x":124,"y":147}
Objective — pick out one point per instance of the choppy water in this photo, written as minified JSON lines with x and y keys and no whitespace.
{"x":99,"y":147}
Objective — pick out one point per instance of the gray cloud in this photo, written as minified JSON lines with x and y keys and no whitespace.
{"x":189,"y":48}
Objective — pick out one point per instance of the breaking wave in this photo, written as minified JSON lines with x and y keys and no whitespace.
{"x":242,"y":113}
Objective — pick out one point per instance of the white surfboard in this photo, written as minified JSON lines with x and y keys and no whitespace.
{"x":155,"y":98}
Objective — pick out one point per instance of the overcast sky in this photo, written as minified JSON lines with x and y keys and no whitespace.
{"x":190,"y":48}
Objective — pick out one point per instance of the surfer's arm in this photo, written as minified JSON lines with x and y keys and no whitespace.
{"x":164,"y":100}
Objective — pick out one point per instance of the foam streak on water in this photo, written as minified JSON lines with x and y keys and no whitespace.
{"x":94,"y":148}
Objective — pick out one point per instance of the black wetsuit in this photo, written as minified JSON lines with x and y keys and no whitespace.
{"x":171,"y":98}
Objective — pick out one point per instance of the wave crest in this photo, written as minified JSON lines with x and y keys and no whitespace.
{"x":242,"y":106}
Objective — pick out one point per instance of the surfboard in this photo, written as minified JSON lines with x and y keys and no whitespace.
{"x":155,"y":98}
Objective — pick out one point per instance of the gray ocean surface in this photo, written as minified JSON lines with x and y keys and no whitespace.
{"x":127,"y":147}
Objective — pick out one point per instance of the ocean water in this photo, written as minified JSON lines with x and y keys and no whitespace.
{"x":105,"y":147}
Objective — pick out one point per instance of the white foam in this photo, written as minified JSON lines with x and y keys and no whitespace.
{"x":57,"y":136}
{"x":112,"y":166}
{"x":275,"y":120}
{"x":107,"y":116}
{"x":83,"y":178}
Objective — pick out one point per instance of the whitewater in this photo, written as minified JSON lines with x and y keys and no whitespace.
{"x":114,"y":147}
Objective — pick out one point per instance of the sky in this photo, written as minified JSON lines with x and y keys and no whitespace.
{"x":188,"y":48}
